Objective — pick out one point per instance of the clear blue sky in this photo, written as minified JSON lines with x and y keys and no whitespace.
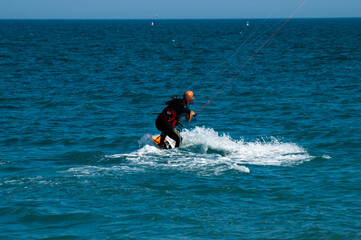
{"x":170,"y":9}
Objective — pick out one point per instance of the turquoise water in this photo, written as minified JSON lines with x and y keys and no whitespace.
{"x":275,"y":155}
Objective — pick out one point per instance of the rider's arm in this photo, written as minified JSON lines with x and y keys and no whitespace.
{"x":190,"y":116}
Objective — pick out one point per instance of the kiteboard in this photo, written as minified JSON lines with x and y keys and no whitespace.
{"x":168,"y":143}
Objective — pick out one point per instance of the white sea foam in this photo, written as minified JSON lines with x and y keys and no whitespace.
{"x":87,"y":170}
{"x":271,"y":152}
{"x":208,"y":152}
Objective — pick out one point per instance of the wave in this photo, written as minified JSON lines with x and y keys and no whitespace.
{"x":205,"y":151}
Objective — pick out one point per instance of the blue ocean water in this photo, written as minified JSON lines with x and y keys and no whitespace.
{"x":275,"y":155}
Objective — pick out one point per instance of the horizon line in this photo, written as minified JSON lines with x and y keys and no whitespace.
{"x":160,"y":19}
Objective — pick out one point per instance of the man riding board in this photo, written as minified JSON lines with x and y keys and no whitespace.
{"x":170,"y":118}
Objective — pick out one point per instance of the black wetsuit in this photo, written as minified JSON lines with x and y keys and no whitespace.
{"x":169,"y":119}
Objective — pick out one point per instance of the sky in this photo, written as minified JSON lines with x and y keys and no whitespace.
{"x":175,"y":9}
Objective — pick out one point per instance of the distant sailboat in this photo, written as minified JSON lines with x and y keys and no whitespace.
{"x":155,"y":19}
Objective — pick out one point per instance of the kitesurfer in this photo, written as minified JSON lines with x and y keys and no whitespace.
{"x":170,"y":118}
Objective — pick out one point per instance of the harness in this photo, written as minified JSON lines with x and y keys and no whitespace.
{"x":170,"y":116}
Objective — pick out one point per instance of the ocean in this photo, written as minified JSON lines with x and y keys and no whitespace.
{"x":274,"y":155}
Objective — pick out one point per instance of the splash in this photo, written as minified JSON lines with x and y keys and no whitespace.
{"x":261,"y":152}
{"x":207,"y":152}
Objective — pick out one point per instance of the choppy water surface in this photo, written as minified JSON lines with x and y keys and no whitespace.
{"x":275,"y":155}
